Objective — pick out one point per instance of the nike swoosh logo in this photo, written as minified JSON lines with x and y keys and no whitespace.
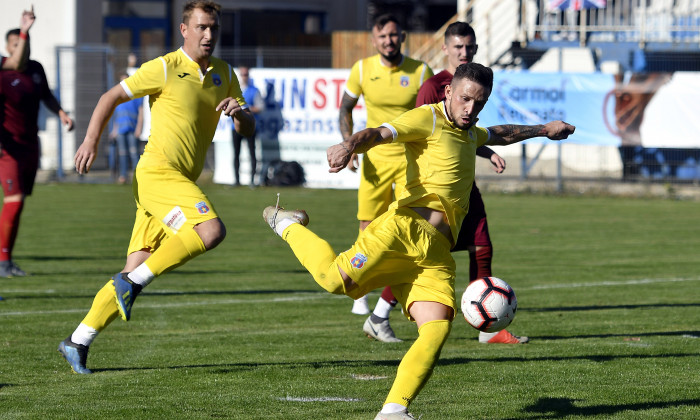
{"x":372,"y":79}
{"x":183,"y":75}
{"x":371,"y":327}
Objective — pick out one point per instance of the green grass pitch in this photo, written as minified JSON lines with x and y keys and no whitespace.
{"x":608,"y":291}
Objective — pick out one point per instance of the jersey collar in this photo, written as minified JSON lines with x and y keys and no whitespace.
{"x":195,"y":65}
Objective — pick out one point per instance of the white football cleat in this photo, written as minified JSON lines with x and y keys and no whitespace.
{"x":278,"y":218}
{"x":400,"y":415}
{"x":381,"y":331}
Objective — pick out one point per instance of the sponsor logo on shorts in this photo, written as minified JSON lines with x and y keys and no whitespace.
{"x":216,"y":79}
{"x":202,"y":207}
{"x":175,"y":219}
{"x":359,"y":260}
{"x":405,"y":81}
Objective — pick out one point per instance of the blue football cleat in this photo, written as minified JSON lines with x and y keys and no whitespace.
{"x":126,"y":292}
{"x":75,"y":355}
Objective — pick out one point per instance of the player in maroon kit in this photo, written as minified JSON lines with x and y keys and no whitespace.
{"x":20,"y":94}
{"x":460,"y":47}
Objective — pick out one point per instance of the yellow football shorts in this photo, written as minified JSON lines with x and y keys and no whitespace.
{"x":377,"y":178}
{"x":402,"y":250}
{"x":166,"y":202}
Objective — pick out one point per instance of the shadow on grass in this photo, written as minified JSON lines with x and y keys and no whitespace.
{"x":631,"y":336}
{"x":237,"y":367}
{"x":554,"y":408}
{"x":592,"y":358}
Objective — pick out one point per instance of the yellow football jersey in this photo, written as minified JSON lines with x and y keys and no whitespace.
{"x":183,"y":102}
{"x":441,"y":159}
{"x":388,"y":92}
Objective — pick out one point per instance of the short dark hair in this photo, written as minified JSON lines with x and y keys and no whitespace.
{"x":206,"y":5}
{"x":383,"y":19}
{"x":476,"y":73}
{"x":459,"y":29}
{"x":10,"y":33}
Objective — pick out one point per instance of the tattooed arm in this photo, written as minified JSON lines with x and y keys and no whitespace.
{"x":346,"y":125}
{"x":502,"y":135}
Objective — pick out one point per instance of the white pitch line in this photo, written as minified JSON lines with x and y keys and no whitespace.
{"x":606,"y":283}
{"x":308,"y":296}
{"x":317,"y":399}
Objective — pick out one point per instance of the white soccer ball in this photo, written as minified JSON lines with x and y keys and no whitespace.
{"x":489,"y":304}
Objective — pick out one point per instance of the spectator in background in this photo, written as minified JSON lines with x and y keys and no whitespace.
{"x":252,"y":96}
{"x":127,"y":122}
{"x":20,"y":95}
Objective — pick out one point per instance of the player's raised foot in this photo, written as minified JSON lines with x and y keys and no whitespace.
{"x":502,"y":337}
{"x":380,"y":331}
{"x":75,"y":355}
{"x":279,"y":219}
{"x":10,"y":269}
{"x":401,"y":415}
{"x":126,"y":292}
{"x":360,"y":306}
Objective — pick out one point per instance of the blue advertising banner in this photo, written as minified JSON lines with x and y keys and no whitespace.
{"x":536,"y":98}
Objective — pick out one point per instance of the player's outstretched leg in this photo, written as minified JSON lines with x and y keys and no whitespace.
{"x":75,"y":355}
{"x":126,"y":292}
{"x":314,"y":253}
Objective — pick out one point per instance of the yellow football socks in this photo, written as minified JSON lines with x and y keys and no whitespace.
{"x":175,"y":251}
{"x":418,"y":363}
{"x":104,"y":309}
{"x":316,"y":255}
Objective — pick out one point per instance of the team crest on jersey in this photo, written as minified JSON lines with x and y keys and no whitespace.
{"x":216,"y":79}
{"x":359,"y":260}
{"x":202,"y":207}
{"x":405,"y":81}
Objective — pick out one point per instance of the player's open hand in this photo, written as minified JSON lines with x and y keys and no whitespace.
{"x":27,"y":20}
{"x":338,"y":157}
{"x":229,"y":106}
{"x":85,"y":156}
{"x":499,"y":164}
{"x":558,"y":130}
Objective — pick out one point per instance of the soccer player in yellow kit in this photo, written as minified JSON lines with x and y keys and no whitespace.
{"x":408,"y":247}
{"x":389,"y":82}
{"x":175,"y":221}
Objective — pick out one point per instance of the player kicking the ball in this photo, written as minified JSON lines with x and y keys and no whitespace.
{"x":408,"y":247}
{"x":175,"y":221}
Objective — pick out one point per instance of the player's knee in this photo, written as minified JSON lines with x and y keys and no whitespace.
{"x":212,"y":232}
{"x":331,"y":280}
